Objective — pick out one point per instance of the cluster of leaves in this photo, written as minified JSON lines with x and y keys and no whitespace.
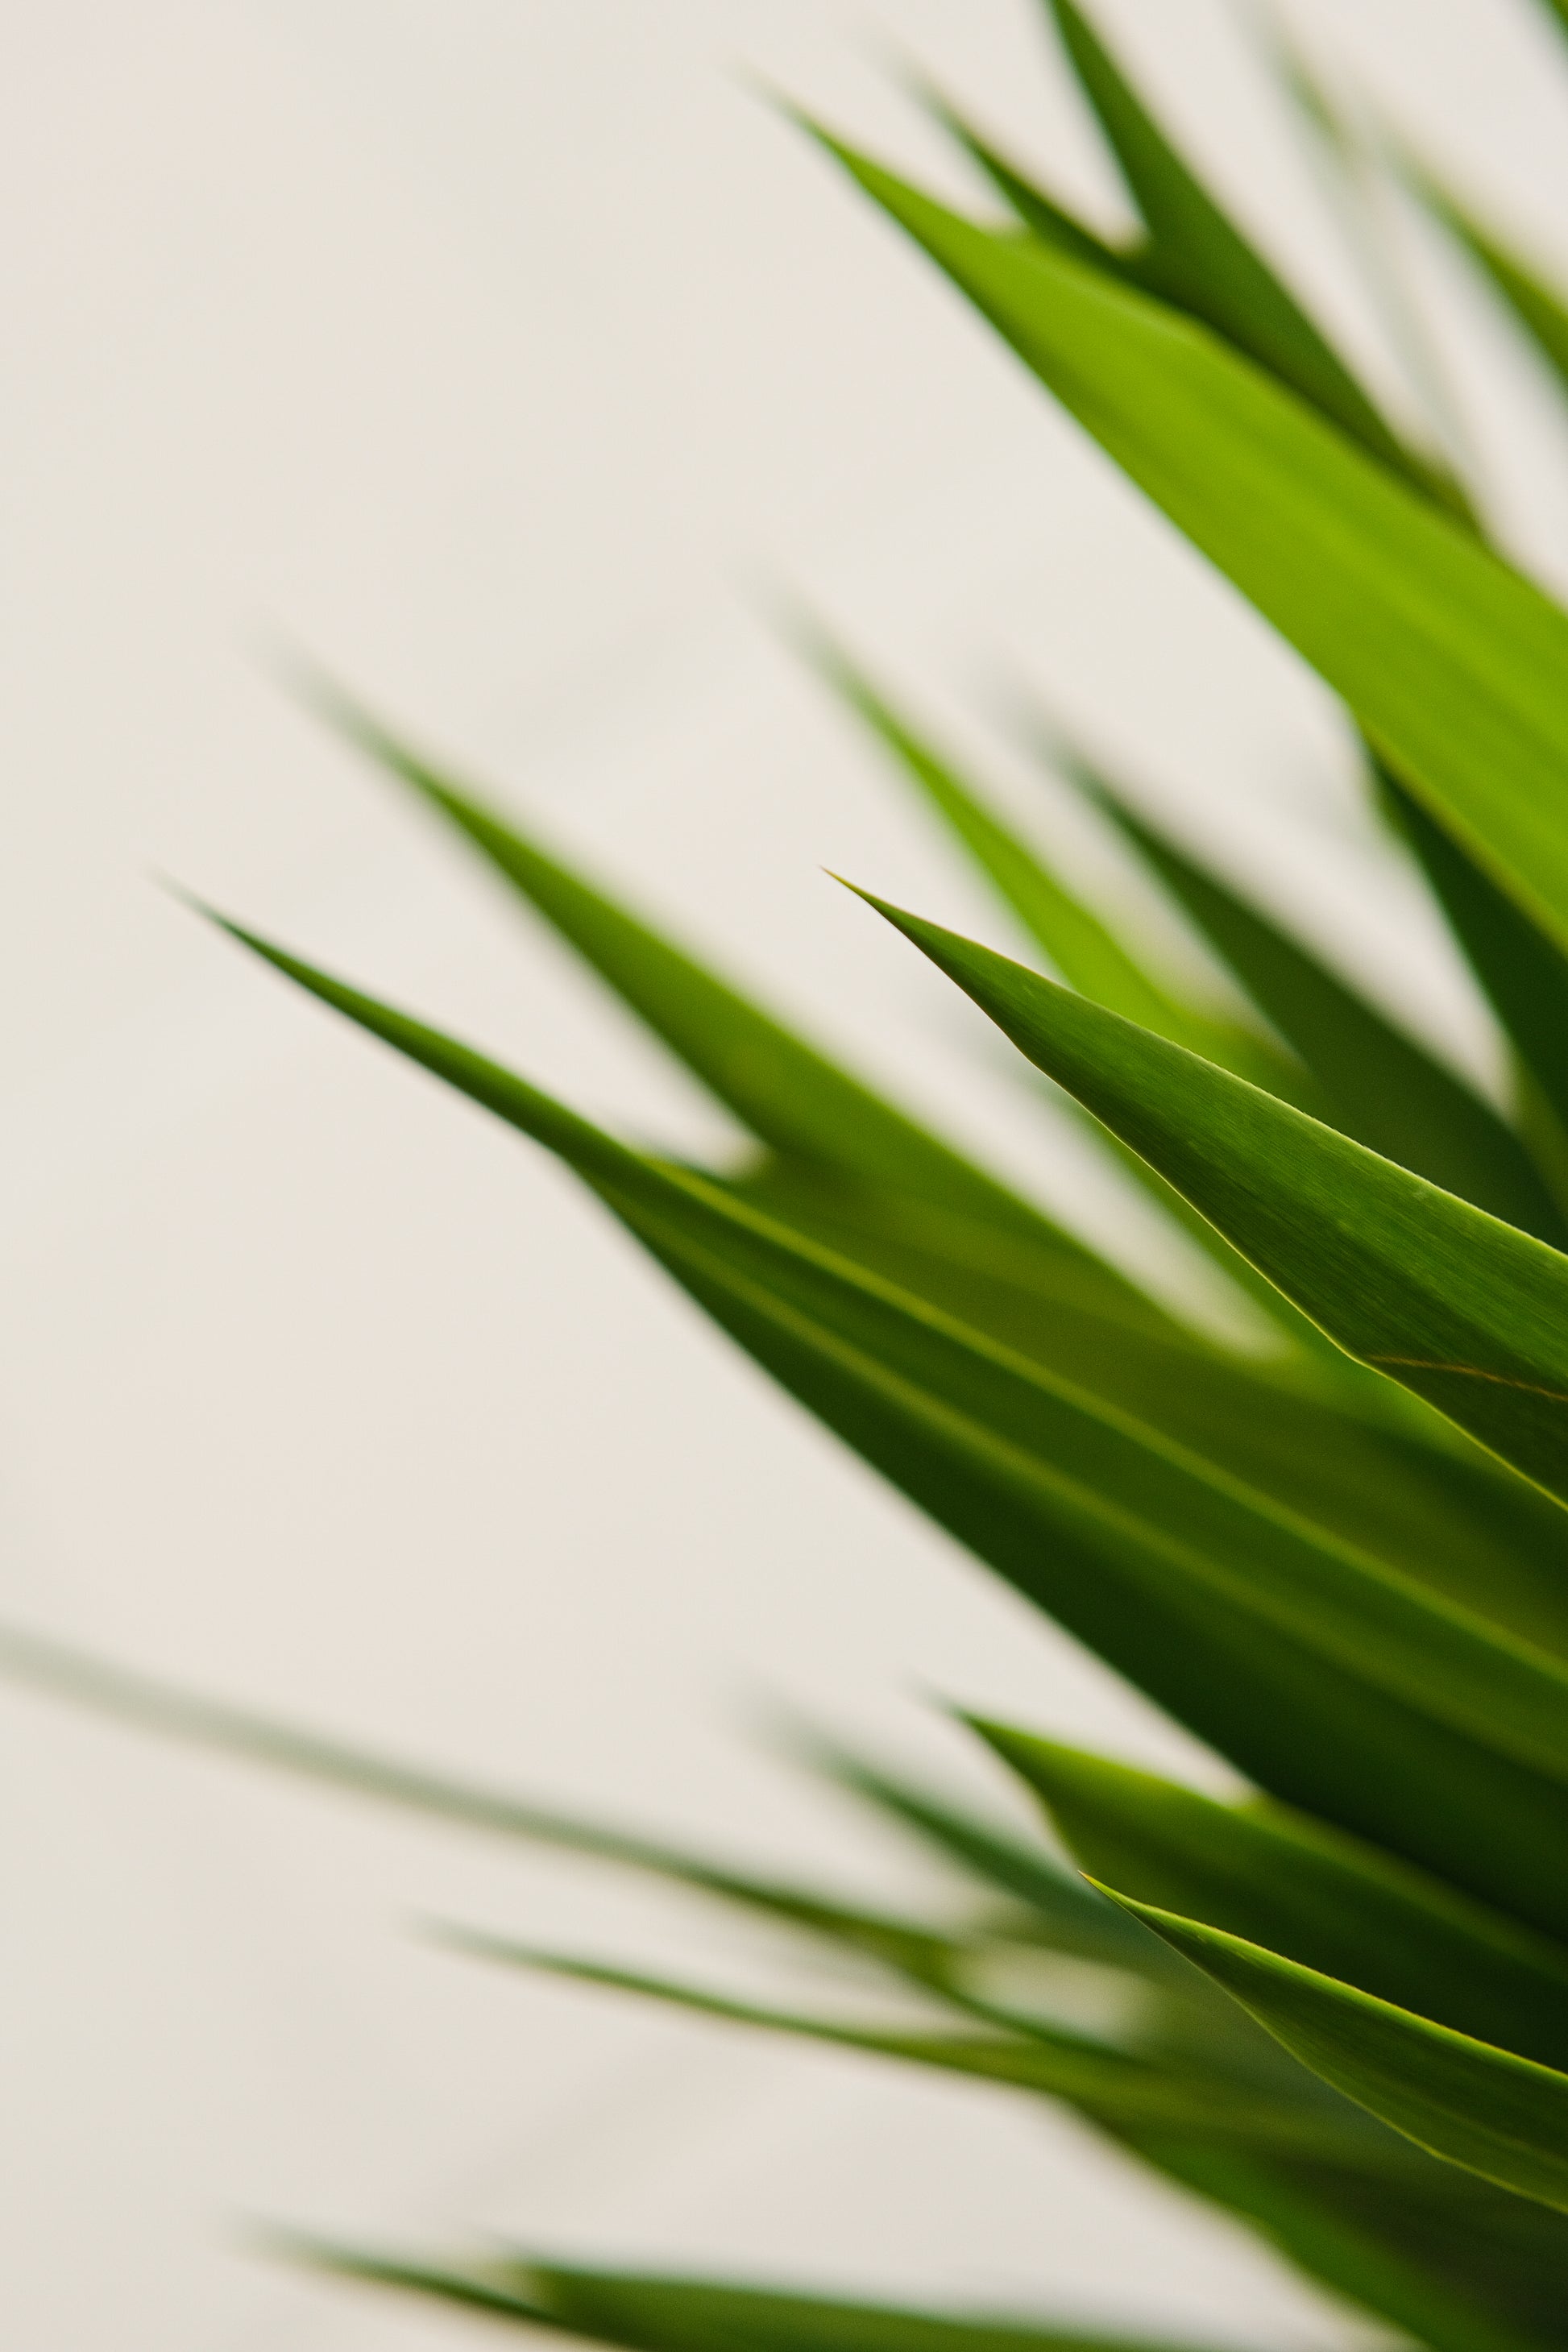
{"x":1342,"y":1563}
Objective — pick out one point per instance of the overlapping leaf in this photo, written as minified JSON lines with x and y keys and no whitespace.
{"x":1196,"y":259}
{"x":1281,"y":1880}
{"x":1469,"y":1312}
{"x":1378,"y":1085}
{"x":1456,"y":667}
{"x":1000,"y":1269}
{"x":1334,"y":1681}
{"x":1495,"y":2114}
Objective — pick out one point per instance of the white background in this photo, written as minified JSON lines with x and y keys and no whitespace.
{"x":495,"y":351}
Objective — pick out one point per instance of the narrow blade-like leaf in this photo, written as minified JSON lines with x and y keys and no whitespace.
{"x":1455,"y":665}
{"x":1196,"y":259}
{"x":1495,"y":2114}
{"x":1379,"y":1084}
{"x":659,"y":2314}
{"x":1281,"y":1880}
{"x":1522,"y":970}
{"x":1469,"y":1312}
{"x":1094,"y":2076}
{"x":1332,"y":1680}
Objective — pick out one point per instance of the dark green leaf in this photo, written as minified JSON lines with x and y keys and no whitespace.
{"x":1522,"y":970}
{"x":1502,"y":2116}
{"x":1332,"y":1681}
{"x":678,"y":2315}
{"x":1196,"y":260}
{"x":1469,"y":1312}
{"x":1379,"y":1084}
{"x":1000,"y":1269}
{"x":1443,"y":2257}
{"x":1294,"y":1886}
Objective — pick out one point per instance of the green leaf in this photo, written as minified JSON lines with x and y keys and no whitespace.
{"x":1085,"y":952}
{"x":1523,"y":970}
{"x":1380,"y":1086}
{"x":791,"y":1097}
{"x":1001,"y":1269}
{"x":1038,"y":213}
{"x":931,"y":1954}
{"x":661,"y":2313}
{"x":1537,"y":307}
{"x":1456,"y":667}
{"x":1293,"y":1884}
{"x":670,"y":2315}
{"x":1469,"y":1312}
{"x":1440,"y":2256}
{"x":1097,"y":2077}
{"x":1495,"y":2114}
{"x":1332,"y":1681}
{"x":1074,"y":1917}
{"x":1197,"y":261}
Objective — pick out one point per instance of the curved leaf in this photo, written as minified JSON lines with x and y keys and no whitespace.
{"x":1495,"y":2114}
{"x":1456,"y":667}
{"x":1331,"y":1680}
{"x":1469,"y":1312}
{"x":1294,"y":1886}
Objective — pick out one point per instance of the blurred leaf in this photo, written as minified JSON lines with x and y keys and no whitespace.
{"x":1330,"y":1680}
{"x":1196,"y":260}
{"x":678,"y":2315}
{"x":1470,"y":1313}
{"x":1454,"y":1523}
{"x":930,"y":1953}
{"x":791,"y":1097}
{"x":1537,"y":307}
{"x":1456,"y":667}
{"x":1097,"y":2077}
{"x":1498,"y":2115}
{"x":1293,"y":1884}
{"x":1087,"y":955}
{"x":1437,"y":2253}
{"x":1380,"y":1086}
{"x":1075,"y":1916}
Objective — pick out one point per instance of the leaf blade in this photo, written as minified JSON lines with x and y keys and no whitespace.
{"x":1482,"y":2108}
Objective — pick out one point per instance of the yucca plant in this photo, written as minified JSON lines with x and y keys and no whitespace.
{"x":1341,"y":1560}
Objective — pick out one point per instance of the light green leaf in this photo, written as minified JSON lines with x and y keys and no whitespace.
{"x":1379,"y":1084}
{"x":1198,"y":261}
{"x":1300,"y":1888}
{"x":1332,"y":1681}
{"x":1469,"y":1312}
{"x":1440,"y":2256}
{"x":1456,"y":667}
{"x":1495,"y":2114}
